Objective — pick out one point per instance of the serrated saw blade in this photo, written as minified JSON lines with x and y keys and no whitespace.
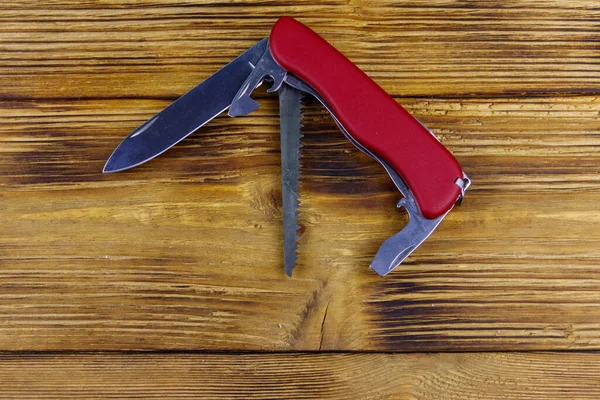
{"x":290,"y":110}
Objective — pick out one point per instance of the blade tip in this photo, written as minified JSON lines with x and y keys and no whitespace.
{"x":109,"y":168}
{"x":379,"y":271}
{"x":288,"y":267}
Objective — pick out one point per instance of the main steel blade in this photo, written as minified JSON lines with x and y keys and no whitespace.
{"x":290,"y":107}
{"x":186,"y":114}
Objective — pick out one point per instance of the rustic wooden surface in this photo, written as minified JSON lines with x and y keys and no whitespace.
{"x":302,"y":376}
{"x":184,"y":253}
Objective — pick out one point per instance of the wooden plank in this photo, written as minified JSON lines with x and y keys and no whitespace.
{"x":442,"y":48}
{"x":185,"y":252}
{"x":302,"y":376}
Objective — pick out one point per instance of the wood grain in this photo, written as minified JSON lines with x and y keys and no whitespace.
{"x":442,"y":48}
{"x":302,"y":376}
{"x":185,"y":252}
{"x":189,"y":244}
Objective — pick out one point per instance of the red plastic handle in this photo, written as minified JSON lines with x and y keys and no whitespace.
{"x":370,"y":115}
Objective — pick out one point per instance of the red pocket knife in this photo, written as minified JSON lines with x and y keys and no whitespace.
{"x":297,"y":60}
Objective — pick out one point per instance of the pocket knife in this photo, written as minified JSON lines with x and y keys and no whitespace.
{"x":297,"y":61}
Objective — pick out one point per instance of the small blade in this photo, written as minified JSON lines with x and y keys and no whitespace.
{"x":188,"y":113}
{"x":290,"y":107}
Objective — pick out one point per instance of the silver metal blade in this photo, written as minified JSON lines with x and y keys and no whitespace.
{"x":290,"y":106}
{"x":188,"y":113}
{"x":401,"y":245}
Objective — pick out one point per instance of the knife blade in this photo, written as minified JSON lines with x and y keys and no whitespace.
{"x":290,"y":111}
{"x":187,"y":114}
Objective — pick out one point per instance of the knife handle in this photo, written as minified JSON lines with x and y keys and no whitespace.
{"x":370,"y":115}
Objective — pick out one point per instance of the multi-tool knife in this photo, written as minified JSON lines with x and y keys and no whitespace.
{"x":296,"y":60}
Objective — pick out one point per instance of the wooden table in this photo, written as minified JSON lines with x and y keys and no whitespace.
{"x":167,"y":280}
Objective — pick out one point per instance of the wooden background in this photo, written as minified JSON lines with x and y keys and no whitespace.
{"x":167,"y":280}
